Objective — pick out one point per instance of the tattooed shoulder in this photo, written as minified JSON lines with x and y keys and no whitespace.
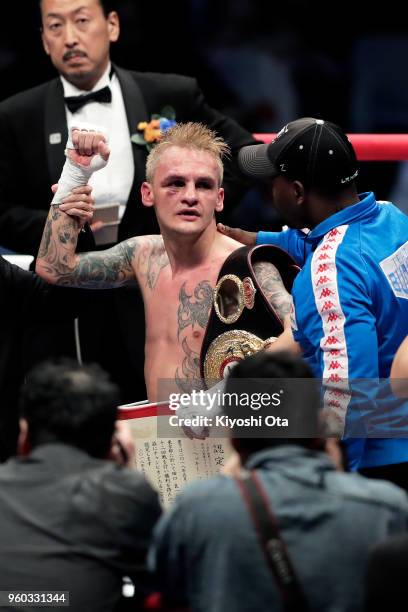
{"x":151,"y":259}
{"x":129,"y":249}
{"x":98,"y":269}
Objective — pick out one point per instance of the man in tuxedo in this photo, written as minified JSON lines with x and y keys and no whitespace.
{"x":77,"y":35}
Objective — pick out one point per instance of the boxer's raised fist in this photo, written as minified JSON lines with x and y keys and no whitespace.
{"x":87,"y":151}
{"x":87,"y":146}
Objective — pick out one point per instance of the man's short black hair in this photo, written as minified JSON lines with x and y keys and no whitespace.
{"x":65,"y":402}
{"x":107,"y":5}
{"x":294,"y":393}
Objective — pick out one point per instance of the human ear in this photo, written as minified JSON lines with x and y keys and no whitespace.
{"x":220,"y":200}
{"x":147,"y":194}
{"x":113,"y":26}
{"x":299,"y":191}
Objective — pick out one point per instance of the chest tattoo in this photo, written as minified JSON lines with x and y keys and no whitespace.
{"x":195,"y":309}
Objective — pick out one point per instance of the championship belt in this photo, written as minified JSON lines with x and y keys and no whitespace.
{"x":242,"y":321}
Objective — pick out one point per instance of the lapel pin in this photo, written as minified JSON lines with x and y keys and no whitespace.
{"x":55,"y":138}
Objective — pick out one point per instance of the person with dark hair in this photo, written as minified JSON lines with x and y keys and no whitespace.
{"x":286,"y":378}
{"x":70,"y":404}
{"x":207,"y":552}
{"x":386,"y":585}
{"x":71,"y":520}
{"x":77,"y":35}
{"x":350,"y":310}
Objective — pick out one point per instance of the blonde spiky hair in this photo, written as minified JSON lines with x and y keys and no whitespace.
{"x":189,"y":136}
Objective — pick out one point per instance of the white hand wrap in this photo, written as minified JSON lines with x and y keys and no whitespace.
{"x":74,"y":174}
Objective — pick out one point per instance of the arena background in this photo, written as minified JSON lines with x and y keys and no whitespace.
{"x":262,"y":62}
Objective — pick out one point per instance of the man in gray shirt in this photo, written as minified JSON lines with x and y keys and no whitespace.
{"x":71,"y":520}
{"x":206,"y":552}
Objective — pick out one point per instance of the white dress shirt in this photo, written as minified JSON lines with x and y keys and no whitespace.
{"x":114,"y":182}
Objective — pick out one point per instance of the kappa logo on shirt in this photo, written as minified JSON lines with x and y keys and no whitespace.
{"x":395,"y":268}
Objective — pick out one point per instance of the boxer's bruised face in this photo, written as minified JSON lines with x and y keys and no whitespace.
{"x":185,"y":191}
{"x":77,"y":36}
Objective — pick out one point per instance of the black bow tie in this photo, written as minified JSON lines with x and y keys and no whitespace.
{"x":74,"y":103}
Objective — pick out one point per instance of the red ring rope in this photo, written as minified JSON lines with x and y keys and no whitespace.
{"x":370,"y":147}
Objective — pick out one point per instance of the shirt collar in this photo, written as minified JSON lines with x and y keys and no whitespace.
{"x":71,"y":90}
{"x":288,"y":454}
{"x":364,"y":209}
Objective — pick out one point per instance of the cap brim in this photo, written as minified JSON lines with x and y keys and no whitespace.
{"x":254,"y":162}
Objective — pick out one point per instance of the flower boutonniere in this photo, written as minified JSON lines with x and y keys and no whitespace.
{"x":150,"y":132}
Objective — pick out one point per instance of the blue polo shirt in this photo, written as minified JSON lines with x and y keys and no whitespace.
{"x":350,"y":316}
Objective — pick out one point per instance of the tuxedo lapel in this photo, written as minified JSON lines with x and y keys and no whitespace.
{"x":136,"y":111}
{"x":56,"y":131}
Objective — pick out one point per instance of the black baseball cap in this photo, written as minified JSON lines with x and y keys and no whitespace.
{"x":315,"y":152}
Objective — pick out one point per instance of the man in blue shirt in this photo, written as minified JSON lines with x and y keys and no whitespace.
{"x":350,"y":309}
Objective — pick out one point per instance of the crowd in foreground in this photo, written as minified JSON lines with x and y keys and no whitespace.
{"x":285,"y":529}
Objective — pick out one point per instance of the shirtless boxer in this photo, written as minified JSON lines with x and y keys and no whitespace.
{"x":177,"y":270}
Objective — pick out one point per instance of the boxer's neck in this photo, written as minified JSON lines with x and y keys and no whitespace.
{"x":187,"y":252}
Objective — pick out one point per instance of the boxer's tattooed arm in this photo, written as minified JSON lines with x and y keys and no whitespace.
{"x":188,"y":379}
{"x":47,"y":233}
{"x":58,"y":263}
{"x":197,"y":310}
{"x":273,"y":288}
{"x":104,"y":269}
